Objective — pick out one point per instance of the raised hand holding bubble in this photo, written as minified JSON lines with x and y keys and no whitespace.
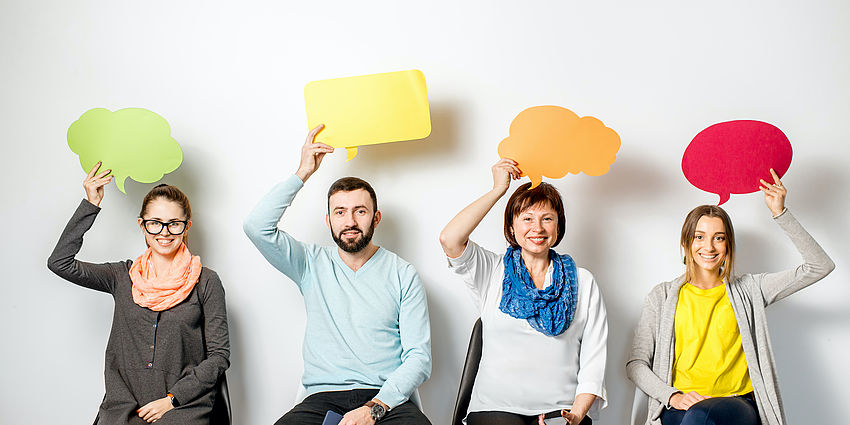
{"x":312,"y":154}
{"x":503,"y":172}
{"x":94,"y":183}
{"x":774,"y":194}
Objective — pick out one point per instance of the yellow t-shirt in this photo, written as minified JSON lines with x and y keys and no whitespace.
{"x":709,"y":357}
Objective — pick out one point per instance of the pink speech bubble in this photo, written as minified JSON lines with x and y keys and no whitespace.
{"x":731,"y":157}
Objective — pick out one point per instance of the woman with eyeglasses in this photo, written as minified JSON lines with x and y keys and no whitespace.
{"x":169,"y":344}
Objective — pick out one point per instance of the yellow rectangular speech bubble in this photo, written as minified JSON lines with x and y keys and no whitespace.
{"x":369,"y":109}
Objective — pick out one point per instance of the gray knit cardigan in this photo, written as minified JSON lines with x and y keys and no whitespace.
{"x":650,"y":363}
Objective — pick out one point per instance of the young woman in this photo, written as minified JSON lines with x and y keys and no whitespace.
{"x":169,"y":344}
{"x":544,"y":327}
{"x":702,"y":350}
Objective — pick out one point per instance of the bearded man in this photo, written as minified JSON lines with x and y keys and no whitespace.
{"x":367,"y":344}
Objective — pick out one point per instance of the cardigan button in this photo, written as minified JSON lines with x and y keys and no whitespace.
{"x":150,"y":364}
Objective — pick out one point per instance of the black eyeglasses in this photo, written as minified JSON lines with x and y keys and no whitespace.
{"x":154,"y":227}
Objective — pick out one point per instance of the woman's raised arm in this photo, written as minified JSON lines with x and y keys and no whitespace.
{"x":454,"y":236}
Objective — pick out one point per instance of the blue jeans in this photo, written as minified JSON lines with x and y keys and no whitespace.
{"x":738,"y":410}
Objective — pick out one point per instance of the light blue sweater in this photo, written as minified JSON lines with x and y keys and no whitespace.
{"x":365,"y":329}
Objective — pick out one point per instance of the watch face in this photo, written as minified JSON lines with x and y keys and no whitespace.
{"x":377,"y":411}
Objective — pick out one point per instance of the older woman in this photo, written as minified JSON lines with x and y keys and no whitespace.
{"x":544,"y":327}
{"x":169,"y":344}
{"x":702,"y":350}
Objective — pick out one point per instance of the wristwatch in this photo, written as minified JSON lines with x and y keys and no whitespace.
{"x":173,"y":400}
{"x":376,"y":409}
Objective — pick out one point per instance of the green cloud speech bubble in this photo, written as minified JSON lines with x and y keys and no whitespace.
{"x":132,"y":142}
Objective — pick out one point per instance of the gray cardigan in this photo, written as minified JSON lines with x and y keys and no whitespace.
{"x":650,"y":364}
{"x":151,"y":353}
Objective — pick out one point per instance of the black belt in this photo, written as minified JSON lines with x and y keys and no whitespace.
{"x":553,"y":414}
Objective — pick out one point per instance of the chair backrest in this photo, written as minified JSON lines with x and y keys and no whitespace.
{"x":221,"y":414}
{"x":640,"y":409}
{"x":470,"y":370}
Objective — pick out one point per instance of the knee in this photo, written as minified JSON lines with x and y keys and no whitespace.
{"x":407,"y":414}
{"x":287,"y":419}
{"x":698,"y":414}
{"x":720,"y":411}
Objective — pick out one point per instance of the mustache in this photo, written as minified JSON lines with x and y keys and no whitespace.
{"x":349,"y":229}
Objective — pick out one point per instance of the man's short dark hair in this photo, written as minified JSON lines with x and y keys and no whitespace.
{"x":348,"y":184}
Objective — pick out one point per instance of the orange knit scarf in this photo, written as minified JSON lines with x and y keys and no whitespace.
{"x":163,"y":292}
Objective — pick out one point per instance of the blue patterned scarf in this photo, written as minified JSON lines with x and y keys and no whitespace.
{"x":550,"y":310}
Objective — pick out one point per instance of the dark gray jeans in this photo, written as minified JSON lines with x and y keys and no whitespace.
{"x":312,"y":410}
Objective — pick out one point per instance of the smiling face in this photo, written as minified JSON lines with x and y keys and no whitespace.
{"x":708,"y":248}
{"x":352,"y":219}
{"x":708,"y":242}
{"x":536,"y":228}
{"x":166,"y":211}
{"x":541,"y":206}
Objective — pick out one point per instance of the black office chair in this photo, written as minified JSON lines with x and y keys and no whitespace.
{"x":221,"y":414}
{"x":470,"y":370}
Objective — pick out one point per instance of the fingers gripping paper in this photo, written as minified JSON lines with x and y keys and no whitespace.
{"x":552,"y":141}
{"x":731,"y":157}
{"x":369,"y":109}
{"x":132,"y":142}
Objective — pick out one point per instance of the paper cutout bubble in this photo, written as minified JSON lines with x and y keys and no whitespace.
{"x":132,"y":142}
{"x":731,"y":157}
{"x":369,"y":109}
{"x":552,"y":141}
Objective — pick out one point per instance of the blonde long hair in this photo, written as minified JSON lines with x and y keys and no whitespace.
{"x":727,"y":269}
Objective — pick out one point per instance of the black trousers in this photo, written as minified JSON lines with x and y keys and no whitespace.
{"x":505,"y":418}
{"x":312,"y":410}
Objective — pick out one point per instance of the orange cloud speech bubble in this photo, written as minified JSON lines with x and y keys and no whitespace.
{"x":552,"y":141}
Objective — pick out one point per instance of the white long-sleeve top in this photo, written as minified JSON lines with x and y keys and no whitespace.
{"x":523,"y":371}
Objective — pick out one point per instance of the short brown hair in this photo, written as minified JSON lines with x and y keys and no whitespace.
{"x":523,"y":198}
{"x":689,"y":229}
{"x":348,"y":184}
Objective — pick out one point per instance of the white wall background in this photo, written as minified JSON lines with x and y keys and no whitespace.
{"x":229,"y":78}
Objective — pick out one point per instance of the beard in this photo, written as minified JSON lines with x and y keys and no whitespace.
{"x":360,"y":242}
